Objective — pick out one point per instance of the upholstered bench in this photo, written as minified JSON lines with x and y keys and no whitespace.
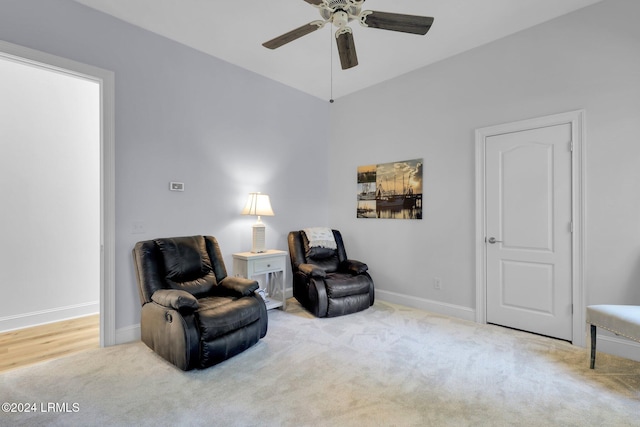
{"x":623,"y":320}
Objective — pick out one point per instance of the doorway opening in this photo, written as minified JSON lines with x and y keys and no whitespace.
{"x":45,"y":189}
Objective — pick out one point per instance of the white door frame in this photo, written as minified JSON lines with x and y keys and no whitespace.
{"x":105,"y":80}
{"x":578,"y":162}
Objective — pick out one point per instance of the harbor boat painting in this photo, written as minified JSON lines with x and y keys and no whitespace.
{"x":390,"y":190}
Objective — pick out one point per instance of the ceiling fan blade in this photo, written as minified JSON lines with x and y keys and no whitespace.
{"x":396,"y":22}
{"x":347,"y":49}
{"x":293,"y":35}
{"x":314,"y":2}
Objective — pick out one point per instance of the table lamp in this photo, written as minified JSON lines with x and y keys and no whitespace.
{"x":258,"y":205}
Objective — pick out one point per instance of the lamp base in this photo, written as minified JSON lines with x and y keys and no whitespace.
{"x":259,"y":240}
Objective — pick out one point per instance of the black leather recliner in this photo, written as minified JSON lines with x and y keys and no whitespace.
{"x":193,"y":314}
{"x":325,"y":282}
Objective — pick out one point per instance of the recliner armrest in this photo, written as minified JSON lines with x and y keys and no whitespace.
{"x":312,"y":270}
{"x":354,"y":267}
{"x":239,"y":285}
{"x":176,"y":299}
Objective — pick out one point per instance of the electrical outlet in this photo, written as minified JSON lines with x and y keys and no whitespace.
{"x":437,"y":283}
{"x":137,"y":227}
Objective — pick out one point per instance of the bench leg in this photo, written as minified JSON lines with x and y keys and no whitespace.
{"x":593,"y":346}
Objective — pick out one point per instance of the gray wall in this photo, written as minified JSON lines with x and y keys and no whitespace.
{"x":588,"y":60}
{"x":224,"y":131}
{"x":184,"y":116}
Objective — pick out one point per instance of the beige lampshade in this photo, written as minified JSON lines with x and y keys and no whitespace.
{"x":257,"y":205}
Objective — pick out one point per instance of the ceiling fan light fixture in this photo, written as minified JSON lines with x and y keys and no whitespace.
{"x":340,"y":19}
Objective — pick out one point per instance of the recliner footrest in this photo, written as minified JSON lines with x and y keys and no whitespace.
{"x":341,"y":285}
{"x":219,"y":320}
{"x":346,"y":305}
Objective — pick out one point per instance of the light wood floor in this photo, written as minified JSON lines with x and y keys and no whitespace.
{"x":31,"y":345}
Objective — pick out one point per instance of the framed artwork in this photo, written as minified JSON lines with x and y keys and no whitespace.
{"x":390,"y":190}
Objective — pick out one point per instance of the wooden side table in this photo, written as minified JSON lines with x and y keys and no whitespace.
{"x":271,"y":265}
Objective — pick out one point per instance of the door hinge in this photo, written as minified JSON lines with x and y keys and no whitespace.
{"x":571,"y":226}
{"x":571,"y":146}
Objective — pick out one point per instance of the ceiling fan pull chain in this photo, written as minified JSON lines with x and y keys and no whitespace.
{"x":331,"y":68}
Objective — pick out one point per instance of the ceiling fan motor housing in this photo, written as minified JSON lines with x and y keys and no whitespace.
{"x":338,"y":4}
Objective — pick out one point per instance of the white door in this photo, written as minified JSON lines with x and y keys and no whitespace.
{"x":528,"y":230}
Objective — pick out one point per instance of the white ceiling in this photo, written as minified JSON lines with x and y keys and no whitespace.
{"x":235,"y":30}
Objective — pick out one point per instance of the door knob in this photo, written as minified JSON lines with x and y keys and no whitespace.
{"x":493,"y":240}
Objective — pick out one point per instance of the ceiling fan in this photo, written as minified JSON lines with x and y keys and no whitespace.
{"x":340,"y":13}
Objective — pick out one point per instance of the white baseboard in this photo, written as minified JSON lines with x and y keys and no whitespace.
{"x":42,"y":317}
{"x":617,"y":346}
{"x":606,"y":344}
{"x":128,"y":334}
{"x":438,"y":307}
{"x":609,"y":344}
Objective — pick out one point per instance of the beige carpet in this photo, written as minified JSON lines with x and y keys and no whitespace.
{"x":387,"y":366}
